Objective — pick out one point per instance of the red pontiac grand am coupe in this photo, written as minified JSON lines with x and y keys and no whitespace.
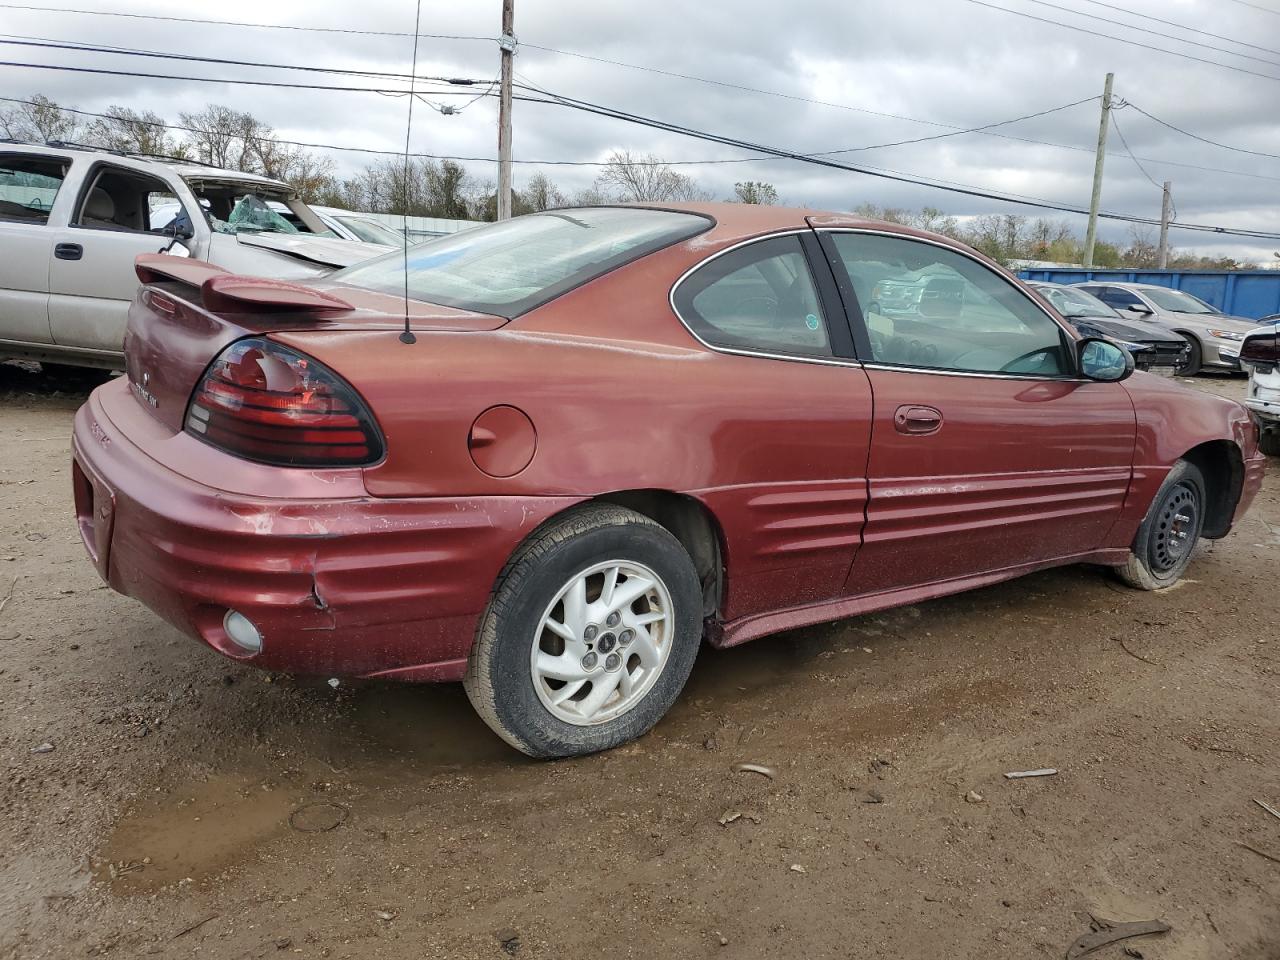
{"x":618,"y":431}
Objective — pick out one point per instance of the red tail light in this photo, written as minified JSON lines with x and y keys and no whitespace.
{"x":265,"y":402}
{"x":1261,"y":349}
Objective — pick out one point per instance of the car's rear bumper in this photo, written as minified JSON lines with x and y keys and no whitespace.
{"x":350,"y":586}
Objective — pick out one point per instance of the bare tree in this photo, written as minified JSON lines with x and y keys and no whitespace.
{"x":754,"y":191}
{"x":641,"y":178}
{"x":128,"y":131}
{"x":540,"y":194}
{"x":217,"y":136}
{"x":40,"y":120}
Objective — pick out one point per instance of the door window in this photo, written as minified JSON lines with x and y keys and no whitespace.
{"x":28,"y":186}
{"x":760,"y":298}
{"x":126,"y":200}
{"x":928,"y":306}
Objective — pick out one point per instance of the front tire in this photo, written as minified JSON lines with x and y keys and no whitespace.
{"x":1169,"y":533}
{"x":589,"y":635}
{"x":1195,"y":358}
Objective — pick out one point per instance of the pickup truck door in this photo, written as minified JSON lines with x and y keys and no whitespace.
{"x":33,"y":200}
{"x":91,"y":276}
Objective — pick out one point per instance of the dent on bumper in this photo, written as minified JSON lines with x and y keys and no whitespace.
{"x":353,"y":587}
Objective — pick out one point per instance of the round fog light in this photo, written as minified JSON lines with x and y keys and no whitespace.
{"x":242,"y":632}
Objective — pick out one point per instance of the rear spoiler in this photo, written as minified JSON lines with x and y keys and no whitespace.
{"x":224,"y":292}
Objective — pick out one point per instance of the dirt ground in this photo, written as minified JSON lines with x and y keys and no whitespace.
{"x":190,"y":807}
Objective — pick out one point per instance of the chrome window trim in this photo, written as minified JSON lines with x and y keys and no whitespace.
{"x":865,"y":365}
{"x":738,"y":351}
{"x":964,"y":253}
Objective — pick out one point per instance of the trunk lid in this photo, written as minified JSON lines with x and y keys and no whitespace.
{"x":188,"y":311}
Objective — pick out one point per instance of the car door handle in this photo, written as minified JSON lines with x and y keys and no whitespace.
{"x":917,"y":419}
{"x":68,"y":251}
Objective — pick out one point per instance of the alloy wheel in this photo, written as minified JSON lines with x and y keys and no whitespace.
{"x":602,"y":642}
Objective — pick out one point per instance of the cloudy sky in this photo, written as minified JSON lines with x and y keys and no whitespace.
{"x":833,"y":75}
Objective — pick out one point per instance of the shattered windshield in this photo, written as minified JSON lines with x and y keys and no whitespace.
{"x":251,"y":214}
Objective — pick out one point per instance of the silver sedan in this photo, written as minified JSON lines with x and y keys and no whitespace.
{"x":1214,"y":336}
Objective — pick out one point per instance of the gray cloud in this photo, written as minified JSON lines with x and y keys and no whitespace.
{"x":948,"y":61}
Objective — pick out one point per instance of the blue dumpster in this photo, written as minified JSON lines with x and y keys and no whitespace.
{"x":1243,"y":293}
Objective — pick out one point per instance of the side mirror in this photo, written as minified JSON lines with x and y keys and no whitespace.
{"x":180,"y":227}
{"x":1139,"y":308}
{"x":1104,"y":361}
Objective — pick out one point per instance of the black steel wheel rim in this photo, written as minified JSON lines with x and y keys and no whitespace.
{"x":1175,"y":528}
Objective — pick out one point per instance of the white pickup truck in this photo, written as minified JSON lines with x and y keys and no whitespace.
{"x":73,"y":219}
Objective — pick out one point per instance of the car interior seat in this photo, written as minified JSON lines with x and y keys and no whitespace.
{"x":99,"y":209}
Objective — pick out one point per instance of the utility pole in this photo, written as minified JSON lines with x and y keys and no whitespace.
{"x":1166,"y":213}
{"x":508,"y":47}
{"x":1092,"y":233}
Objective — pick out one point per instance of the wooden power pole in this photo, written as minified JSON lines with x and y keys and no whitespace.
{"x":1092,"y":233}
{"x":1166,"y":213}
{"x":508,"y":46}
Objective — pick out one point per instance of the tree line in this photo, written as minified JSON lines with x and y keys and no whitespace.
{"x":424,"y":187}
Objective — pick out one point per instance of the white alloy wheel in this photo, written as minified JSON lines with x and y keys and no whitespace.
{"x":602,"y":642}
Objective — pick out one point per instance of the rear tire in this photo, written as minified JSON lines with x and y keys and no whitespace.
{"x":1169,"y":532}
{"x":553,"y":670}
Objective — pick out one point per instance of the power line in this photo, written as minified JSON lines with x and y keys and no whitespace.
{"x":613,"y":113}
{"x":985,"y":130}
{"x":1195,"y":136}
{"x":1181,"y":26}
{"x":1155,"y":33}
{"x":41,"y":42}
{"x":1160,"y":186}
{"x":875,"y":113}
{"x":327,"y":146}
{"x":893,"y":143}
{"x":1246,"y":3}
{"x":1132,"y":43}
{"x":251,"y":83}
{"x":771,"y":152}
{"x":240,"y":23}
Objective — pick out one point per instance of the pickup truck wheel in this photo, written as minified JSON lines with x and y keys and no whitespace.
{"x":1269,"y":441}
{"x":1169,"y":533}
{"x":589,"y":635}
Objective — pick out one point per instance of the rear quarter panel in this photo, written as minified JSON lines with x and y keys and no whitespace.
{"x":623,"y":398}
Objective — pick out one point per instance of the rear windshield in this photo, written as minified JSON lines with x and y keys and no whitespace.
{"x":508,"y":268}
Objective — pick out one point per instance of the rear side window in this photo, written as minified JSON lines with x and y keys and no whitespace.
{"x":509,"y":268}
{"x":29,"y":185}
{"x":1115,"y":297}
{"x":759,"y":298}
